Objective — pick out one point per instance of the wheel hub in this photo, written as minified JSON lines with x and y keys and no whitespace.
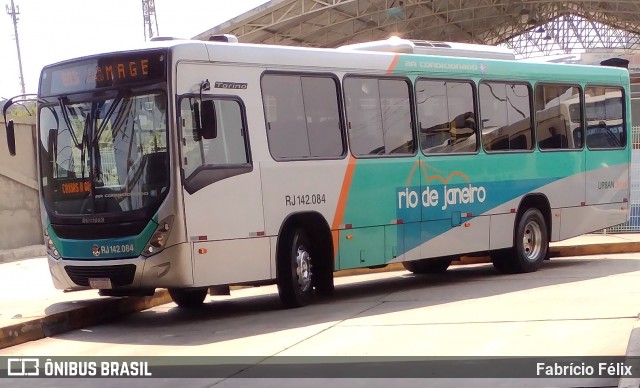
{"x":303,"y":268}
{"x":532,"y":241}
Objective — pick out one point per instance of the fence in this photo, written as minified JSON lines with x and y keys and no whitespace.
{"x":633,"y":225}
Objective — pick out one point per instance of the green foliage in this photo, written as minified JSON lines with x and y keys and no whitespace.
{"x":22,"y":109}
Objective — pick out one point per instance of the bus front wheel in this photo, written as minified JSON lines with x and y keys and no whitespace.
{"x":188,"y":297}
{"x":530,"y":246}
{"x":294,"y":270}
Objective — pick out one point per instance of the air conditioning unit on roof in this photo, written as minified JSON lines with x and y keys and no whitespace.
{"x":453,"y":49}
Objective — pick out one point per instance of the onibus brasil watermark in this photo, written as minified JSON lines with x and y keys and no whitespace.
{"x":32,"y":367}
{"x":608,"y":367}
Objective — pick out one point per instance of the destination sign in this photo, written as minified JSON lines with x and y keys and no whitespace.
{"x":102,"y":72}
{"x":75,"y":187}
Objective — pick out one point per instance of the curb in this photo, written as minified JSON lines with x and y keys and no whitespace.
{"x":11,"y":255}
{"x":595,"y":249}
{"x":90,"y":313}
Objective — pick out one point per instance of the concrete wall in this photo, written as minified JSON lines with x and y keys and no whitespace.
{"x":19,"y":205}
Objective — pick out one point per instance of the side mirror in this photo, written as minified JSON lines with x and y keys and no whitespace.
{"x":11,"y":138}
{"x":209,"y":127}
{"x":11,"y":135}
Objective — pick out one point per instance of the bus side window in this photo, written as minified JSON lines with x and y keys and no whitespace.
{"x":506,"y":116}
{"x":519,"y":142}
{"x":379,"y":116}
{"x":555,"y":140}
{"x":606,"y":126}
{"x":302,"y":116}
{"x":558,"y":116}
{"x":447,"y":116}
{"x":577,"y":137}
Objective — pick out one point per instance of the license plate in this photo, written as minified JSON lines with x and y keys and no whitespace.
{"x":100,"y":283}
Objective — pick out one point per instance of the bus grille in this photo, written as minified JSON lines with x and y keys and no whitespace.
{"x":120,"y":275}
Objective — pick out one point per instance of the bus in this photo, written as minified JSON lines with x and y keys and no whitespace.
{"x":197,"y":165}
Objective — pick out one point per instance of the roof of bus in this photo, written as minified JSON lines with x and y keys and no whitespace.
{"x":341,"y":60}
{"x":437,"y":66}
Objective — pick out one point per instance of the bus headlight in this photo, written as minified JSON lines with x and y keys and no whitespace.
{"x":51,"y":247}
{"x":159,"y":238}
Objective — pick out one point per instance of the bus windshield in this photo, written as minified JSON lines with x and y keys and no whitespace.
{"x":105,"y":155}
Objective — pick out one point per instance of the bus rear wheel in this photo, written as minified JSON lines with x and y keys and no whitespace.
{"x":530,"y":248}
{"x":294,"y":269}
{"x":188,"y":297}
{"x":426,"y":266}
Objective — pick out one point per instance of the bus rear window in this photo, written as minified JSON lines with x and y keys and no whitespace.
{"x":605,"y":118}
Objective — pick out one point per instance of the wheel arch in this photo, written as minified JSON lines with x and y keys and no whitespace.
{"x":318,"y":230}
{"x":538,"y":201}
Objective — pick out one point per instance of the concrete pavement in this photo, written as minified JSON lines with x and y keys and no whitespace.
{"x":31,"y":309}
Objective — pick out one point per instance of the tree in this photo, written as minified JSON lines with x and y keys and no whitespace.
{"x":21,"y":109}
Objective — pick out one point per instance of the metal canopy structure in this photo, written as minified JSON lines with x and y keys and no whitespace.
{"x":150,"y":20}
{"x":527,"y":26}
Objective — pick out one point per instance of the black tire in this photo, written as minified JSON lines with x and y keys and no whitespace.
{"x":323,"y":264}
{"x":188,"y":297}
{"x":501,"y":260}
{"x":531,"y":244}
{"x":426,"y":266}
{"x":294,"y":269}
{"x":323,"y":276}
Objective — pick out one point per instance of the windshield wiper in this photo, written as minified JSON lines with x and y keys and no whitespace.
{"x":85,"y":143}
{"x":107,"y":116}
{"x":121,"y":118}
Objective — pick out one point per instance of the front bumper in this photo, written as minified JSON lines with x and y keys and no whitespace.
{"x":173,"y":267}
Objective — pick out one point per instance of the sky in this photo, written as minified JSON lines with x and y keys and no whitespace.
{"x":54,"y":30}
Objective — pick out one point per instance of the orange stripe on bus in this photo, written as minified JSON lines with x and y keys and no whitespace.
{"x":393,"y":64}
{"x":342,"y":204}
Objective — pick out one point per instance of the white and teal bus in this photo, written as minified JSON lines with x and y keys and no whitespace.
{"x":193,"y":165}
